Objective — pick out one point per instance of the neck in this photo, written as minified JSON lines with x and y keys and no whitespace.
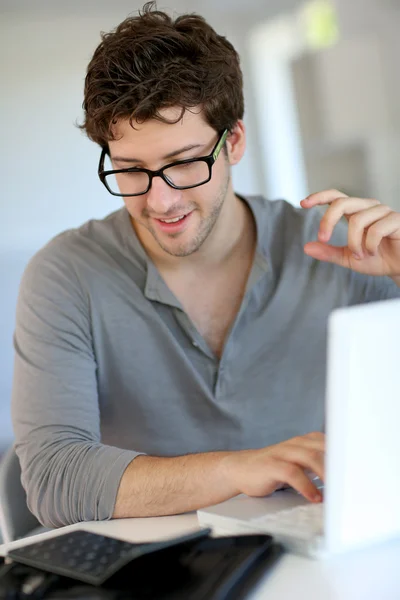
{"x":234,"y":229}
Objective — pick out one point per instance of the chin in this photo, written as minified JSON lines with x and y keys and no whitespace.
{"x":179,"y":251}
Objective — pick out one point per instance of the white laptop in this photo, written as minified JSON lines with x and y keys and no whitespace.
{"x":362,"y":480}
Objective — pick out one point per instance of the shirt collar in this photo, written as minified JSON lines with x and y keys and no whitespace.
{"x":155,"y":287}
{"x":260,"y":266}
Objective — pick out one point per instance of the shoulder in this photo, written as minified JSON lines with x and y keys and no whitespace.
{"x":69,"y":256}
{"x":280,"y":222}
{"x":92,"y":236}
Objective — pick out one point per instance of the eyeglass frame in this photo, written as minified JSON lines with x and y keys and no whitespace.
{"x":210,"y":159}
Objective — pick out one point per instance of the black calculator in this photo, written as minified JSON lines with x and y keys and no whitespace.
{"x":87,"y":556}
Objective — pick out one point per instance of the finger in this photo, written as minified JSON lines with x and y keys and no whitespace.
{"x":327,"y":253}
{"x":307,"y":458}
{"x":317,"y":445}
{"x":358,"y":222}
{"x":381,"y":229}
{"x":339,"y":208}
{"x":294,"y":475}
{"x":315,"y":435}
{"x":320,"y":198}
{"x":316,"y":441}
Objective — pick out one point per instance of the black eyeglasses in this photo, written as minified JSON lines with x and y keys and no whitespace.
{"x":180,"y":175}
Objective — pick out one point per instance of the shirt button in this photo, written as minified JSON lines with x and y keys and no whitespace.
{"x":195,"y":344}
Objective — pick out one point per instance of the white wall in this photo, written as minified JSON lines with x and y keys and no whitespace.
{"x":376,"y":24}
{"x":347,"y":99}
{"x":48,"y":167}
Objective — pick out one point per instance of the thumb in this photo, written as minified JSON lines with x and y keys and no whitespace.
{"x":326,"y":253}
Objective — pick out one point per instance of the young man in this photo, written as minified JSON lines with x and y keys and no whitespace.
{"x":172,"y":355}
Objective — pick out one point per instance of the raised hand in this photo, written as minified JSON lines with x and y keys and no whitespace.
{"x":373,"y":244}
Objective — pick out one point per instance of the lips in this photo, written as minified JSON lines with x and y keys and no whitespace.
{"x":172,"y":219}
{"x":175,"y":226}
{"x":163,"y":219}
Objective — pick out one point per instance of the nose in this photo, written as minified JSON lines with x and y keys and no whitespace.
{"x":161,"y":197}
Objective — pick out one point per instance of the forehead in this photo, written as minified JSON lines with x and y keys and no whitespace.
{"x":162,"y":137}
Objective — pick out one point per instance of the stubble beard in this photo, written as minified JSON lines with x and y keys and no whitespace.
{"x":205,"y":228}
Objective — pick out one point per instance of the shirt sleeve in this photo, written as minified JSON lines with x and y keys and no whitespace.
{"x":68,"y":474}
{"x":365,"y":288}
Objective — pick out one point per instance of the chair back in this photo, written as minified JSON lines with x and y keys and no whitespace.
{"x":16,"y":520}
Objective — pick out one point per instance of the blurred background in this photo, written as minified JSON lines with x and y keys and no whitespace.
{"x":322,"y":92}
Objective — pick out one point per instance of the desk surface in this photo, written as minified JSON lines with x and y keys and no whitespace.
{"x":372,"y":574}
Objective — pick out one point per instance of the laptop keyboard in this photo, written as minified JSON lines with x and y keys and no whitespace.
{"x":303,"y":521}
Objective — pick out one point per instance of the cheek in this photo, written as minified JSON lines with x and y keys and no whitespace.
{"x":221,"y":172}
{"x":207,"y":194}
{"x":135,"y":206}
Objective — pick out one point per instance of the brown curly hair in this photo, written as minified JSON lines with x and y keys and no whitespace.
{"x":151,"y":62}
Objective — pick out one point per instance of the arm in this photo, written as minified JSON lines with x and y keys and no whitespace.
{"x":154,"y":486}
{"x":69,"y":476}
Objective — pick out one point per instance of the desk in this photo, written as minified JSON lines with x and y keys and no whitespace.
{"x":372,"y":574}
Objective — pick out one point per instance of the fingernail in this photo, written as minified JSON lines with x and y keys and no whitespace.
{"x":357,"y":256}
{"x":317,"y":498}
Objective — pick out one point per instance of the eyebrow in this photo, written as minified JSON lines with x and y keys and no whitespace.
{"x":169,"y":155}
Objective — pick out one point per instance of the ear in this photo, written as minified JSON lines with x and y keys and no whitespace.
{"x":236,"y":143}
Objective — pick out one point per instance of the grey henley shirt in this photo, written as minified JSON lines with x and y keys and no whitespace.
{"x":109,"y":365}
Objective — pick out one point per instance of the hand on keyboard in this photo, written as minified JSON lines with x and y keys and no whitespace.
{"x":263,"y":471}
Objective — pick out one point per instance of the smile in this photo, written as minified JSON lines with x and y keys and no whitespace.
{"x":175,"y":220}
